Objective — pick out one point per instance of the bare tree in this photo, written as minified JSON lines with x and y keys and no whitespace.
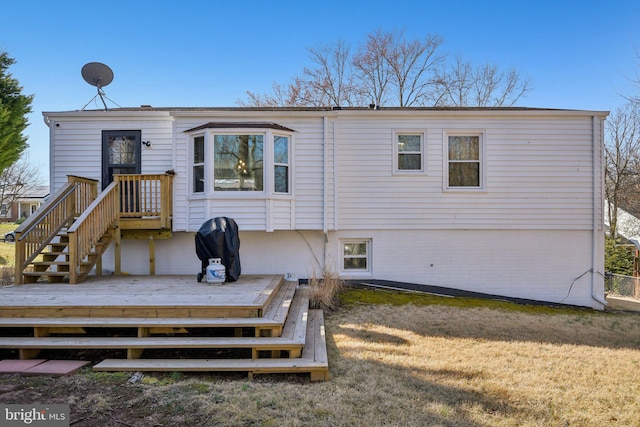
{"x":622,"y":160}
{"x":372,"y":68}
{"x":390,"y":68}
{"x":17,"y":180}
{"x":462,"y":85}
{"x":413,"y":65}
{"x":291,"y":95}
{"x":330,"y":82}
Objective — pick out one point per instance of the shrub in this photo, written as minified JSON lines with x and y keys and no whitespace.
{"x":618,"y":259}
{"x":323,"y":290}
{"x":6,"y":276}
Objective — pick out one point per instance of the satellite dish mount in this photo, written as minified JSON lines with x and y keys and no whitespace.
{"x":98,"y":75}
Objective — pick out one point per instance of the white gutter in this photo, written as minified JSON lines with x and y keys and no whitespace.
{"x":597,"y":185}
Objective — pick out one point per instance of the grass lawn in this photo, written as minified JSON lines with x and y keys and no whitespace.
{"x":414,"y":360}
{"x":7,"y":250}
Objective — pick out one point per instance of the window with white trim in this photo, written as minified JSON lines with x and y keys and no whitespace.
{"x":232,"y":158}
{"x":198,"y":164}
{"x":465,"y":161}
{"x":281,"y":164}
{"x":409,"y":152}
{"x":238,"y":163}
{"x":356,"y":256}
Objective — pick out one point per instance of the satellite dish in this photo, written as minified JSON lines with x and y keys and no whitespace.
{"x":98,"y":75}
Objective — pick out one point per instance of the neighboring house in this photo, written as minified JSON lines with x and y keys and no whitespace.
{"x":504,"y":201}
{"x":627,"y":225}
{"x":22,"y":206}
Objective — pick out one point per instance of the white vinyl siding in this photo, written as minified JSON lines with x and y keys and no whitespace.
{"x":538,"y":175}
{"x":78,"y":146}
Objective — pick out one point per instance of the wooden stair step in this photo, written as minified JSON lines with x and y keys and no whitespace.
{"x":280,"y":305}
{"x":135,"y":322}
{"x":295,"y":326}
{"x":261,"y":343}
{"x":256,"y":366}
{"x":313,"y":361}
{"x":45,"y":273}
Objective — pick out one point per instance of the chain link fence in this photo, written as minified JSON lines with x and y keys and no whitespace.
{"x":619,"y":285}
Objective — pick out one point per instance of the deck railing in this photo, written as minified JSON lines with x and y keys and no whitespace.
{"x":33,"y":235}
{"x":145,"y":196}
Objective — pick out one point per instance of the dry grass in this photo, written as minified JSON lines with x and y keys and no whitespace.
{"x":324,"y":290}
{"x":7,"y":250}
{"x":7,"y":255}
{"x":431,"y":362}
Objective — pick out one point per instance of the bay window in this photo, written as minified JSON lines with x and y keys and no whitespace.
{"x":241,"y":157}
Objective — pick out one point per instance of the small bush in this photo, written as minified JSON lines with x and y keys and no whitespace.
{"x":6,"y":276}
{"x":323,"y":290}
{"x":618,"y":258}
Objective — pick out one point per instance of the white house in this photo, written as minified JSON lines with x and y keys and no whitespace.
{"x":505,"y":201}
{"x":23,"y":204}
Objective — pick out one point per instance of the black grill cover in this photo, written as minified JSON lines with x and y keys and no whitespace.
{"x":218,"y":238}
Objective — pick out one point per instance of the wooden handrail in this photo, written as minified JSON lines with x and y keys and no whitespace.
{"x":33,"y":235}
{"x":88,"y":229}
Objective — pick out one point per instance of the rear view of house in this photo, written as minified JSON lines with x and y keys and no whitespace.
{"x":504,"y":201}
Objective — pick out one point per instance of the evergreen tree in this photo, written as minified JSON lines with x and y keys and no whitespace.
{"x":14,"y":107}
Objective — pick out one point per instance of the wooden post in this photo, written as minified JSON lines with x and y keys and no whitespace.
{"x":117,"y":250}
{"x":74,"y":262}
{"x":152,"y":256}
{"x":99,"y":266}
{"x":19,"y":260}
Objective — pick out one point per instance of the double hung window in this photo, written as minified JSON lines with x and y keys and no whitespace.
{"x":356,"y":256}
{"x":409,"y":152}
{"x":465,"y":167}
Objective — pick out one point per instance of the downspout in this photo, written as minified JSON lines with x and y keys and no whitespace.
{"x":48,"y":122}
{"x":597,"y":205}
{"x":325,"y":195}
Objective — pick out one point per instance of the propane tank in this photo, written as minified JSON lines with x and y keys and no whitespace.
{"x":215,"y":271}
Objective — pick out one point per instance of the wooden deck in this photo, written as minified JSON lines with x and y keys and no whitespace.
{"x":264,"y":314}
{"x":141,"y":296}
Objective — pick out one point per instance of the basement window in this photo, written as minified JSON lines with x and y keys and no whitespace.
{"x":356,"y":256}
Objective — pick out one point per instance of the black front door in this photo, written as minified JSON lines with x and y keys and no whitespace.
{"x":120,"y":154}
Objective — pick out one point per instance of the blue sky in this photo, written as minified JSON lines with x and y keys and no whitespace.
{"x":578,"y":54}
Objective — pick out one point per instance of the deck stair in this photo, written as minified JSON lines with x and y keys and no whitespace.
{"x":55,"y":265}
{"x":68,"y":235}
{"x":287,"y":337}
